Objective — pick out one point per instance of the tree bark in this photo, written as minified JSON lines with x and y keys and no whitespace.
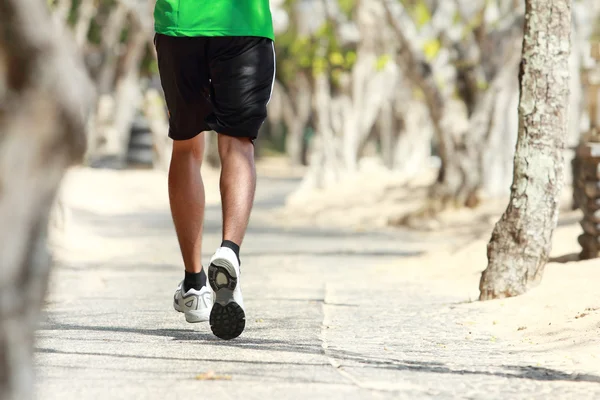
{"x":462,"y":125}
{"x":522,"y":239}
{"x":412,"y":150}
{"x":85,"y":13}
{"x":111,"y":35}
{"x":128,"y":96}
{"x":387,"y":132}
{"x":296,"y":109}
{"x":62,"y":8}
{"x":44,"y":98}
{"x":326,"y":165}
{"x":466,"y":172}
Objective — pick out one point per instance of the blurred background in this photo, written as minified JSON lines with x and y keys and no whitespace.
{"x":409,"y":88}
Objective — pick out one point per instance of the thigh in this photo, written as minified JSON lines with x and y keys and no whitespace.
{"x":241,"y":71}
{"x":183,"y":70}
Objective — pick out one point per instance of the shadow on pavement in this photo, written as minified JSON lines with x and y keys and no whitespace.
{"x":344,"y":358}
{"x":148,"y":357}
{"x":511,"y":371}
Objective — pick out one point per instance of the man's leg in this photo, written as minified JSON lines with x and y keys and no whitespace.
{"x":237,"y":184}
{"x":242,"y":72}
{"x":184,"y":78}
{"x":186,"y":197}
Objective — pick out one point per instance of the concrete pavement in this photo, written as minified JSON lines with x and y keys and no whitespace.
{"x":327,"y":317}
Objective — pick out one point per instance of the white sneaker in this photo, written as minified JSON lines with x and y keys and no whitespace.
{"x":195,"y":304}
{"x":227,"y":318}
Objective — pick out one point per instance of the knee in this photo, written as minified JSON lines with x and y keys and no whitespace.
{"x":235,"y":146}
{"x":191,"y":148}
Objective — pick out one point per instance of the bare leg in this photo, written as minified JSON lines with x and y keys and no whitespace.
{"x":186,"y":196}
{"x":238,"y":184}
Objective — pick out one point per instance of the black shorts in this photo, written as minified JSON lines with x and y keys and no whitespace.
{"x":216,"y":83}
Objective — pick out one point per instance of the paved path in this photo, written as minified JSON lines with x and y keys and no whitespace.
{"x":329,"y":317}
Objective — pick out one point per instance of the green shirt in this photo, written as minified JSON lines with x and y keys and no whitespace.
{"x":213,"y":18}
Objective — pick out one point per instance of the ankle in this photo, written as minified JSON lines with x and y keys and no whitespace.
{"x":234,"y":247}
{"x":194,"y":280}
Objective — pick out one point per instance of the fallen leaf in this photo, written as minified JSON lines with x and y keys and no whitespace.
{"x":211,"y":376}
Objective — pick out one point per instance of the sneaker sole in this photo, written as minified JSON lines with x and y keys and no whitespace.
{"x":227,"y":318}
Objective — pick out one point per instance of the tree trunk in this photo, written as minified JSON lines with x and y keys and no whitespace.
{"x":296,"y":113}
{"x":463,"y":125}
{"x":111,"y":35}
{"x":102,"y":120}
{"x":85,"y":13}
{"x":326,"y":165}
{"x":497,"y":154}
{"x":370,"y":87}
{"x":346,"y":115}
{"x":44,"y":96}
{"x":127,"y":94}
{"x":387,"y":132}
{"x":466,"y":170}
{"x":62,"y":9}
{"x":412,"y":150}
{"x":294,"y":141}
{"x":522,"y":239}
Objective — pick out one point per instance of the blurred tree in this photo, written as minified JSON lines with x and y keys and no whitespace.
{"x":522,"y":239}
{"x":462,"y":57}
{"x":115,"y":37}
{"x":397,"y":83}
{"x":44,"y":98}
{"x":435,"y":73}
{"x":391,"y":79}
{"x":337,"y":54}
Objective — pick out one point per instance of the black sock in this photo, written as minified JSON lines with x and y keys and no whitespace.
{"x":194,"y":280}
{"x":230,"y":245}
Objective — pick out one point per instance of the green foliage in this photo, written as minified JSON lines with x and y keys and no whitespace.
{"x":95,"y":33}
{"x":431,"y":48}
{"x":382,"y":62}
{"x":72,"y":19}
{"x":347,"y":7}
{"x":421,"y":13}
{"x":149,"y":66}
{"x":319,"y":53}
{"x":418,"y":10}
